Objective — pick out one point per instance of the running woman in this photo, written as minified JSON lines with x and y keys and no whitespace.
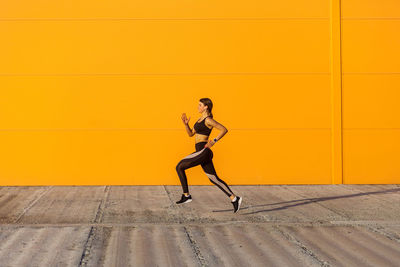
{"x":203,"y":155}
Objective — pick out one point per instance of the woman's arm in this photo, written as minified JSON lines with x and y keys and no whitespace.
{"x":185,"y":120}
{"x":190,"y":132}
{"x":219,"y":126}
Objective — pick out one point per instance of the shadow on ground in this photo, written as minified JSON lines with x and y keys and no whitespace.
{"x":306,"y":201}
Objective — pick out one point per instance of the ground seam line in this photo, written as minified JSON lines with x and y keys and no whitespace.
{"x":392,"y":237}
{"x":99,"y":214}
{"x":317,"y":202}
{"x":33,"y":203}
{"x":195,"y":247}
{"x":304,"y":249}
{"x":192,"y":242}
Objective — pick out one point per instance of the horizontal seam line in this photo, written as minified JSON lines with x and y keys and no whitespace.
{"x":154,"y":74}
{"x":296,"y":223}
{"x":371,"y":128}
{"x":194,"y":19}
{"x":146,"y":129}
{"x":231,"y":129}
{"x":188,"y":74}
{"x":371,"y":18}
{"x":374,"y":73}
{"x":161,"y":19}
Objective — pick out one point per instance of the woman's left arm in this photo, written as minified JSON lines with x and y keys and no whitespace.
{"x":219,"y":126}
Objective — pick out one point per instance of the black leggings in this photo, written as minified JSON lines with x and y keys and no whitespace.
{"x":204,"y":157}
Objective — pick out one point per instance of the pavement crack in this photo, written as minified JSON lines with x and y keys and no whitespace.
{"x":304,"y":249}
{"x":30,"y":205}
{"x":98,"y":217}
{"x":174,"y":209}
{"x":393,"y":237}
{"x":195,"y":248}
{"x":86,"y":248}
{"x":169,"y":195}
{"x":202,"y":223}
{"x":192,"y":242}
{"x":316,"y":201}
{"x":100,"y":210}
{"x":374,"y":193}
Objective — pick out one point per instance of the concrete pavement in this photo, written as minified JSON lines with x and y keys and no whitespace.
{"x":278,"y":225}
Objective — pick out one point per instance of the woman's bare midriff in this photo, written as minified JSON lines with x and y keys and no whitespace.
{"x":201,"y":138}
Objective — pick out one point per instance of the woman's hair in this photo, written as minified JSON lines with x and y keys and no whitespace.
{"x":207,"y":102}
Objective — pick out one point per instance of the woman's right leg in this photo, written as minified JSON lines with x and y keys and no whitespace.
{"x":209,"y":169}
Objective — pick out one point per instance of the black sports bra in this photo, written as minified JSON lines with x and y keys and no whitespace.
{"x":201,"y":127}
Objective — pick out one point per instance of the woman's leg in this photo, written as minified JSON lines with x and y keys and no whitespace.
{"x":209,"y":169}
{"x":194,"y":159}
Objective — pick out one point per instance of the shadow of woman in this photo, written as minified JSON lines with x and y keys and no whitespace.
{"x":306,"y":201}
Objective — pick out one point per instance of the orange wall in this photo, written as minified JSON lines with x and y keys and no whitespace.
{"x":91,"y":92}
{"x":371,"y":91}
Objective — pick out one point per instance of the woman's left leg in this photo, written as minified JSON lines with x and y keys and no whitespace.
{"x":194,"y":159}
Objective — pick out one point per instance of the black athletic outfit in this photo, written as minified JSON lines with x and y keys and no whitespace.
{"x":203,"y":156}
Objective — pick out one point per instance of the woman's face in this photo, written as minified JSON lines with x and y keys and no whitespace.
{"x":201,"y":107}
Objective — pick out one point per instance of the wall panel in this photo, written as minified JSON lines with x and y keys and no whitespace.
{"x":371,"y":91}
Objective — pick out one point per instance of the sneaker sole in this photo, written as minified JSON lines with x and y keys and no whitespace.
{"x":187,"y":201}
{"x":240,"y":202}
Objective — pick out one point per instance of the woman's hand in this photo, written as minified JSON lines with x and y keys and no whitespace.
{"x":185,"y":119}
{"x":209,"y":144}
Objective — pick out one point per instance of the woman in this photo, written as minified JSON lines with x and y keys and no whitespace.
{"x":203,"y":155}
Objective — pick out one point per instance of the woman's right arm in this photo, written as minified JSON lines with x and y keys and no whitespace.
{"x":185,"y":120}
{"x":190,"y":132}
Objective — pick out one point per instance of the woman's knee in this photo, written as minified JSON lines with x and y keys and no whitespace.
{"x":210,"y":154}
{"x":212,"y":181}
{"x":180,"y":167}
